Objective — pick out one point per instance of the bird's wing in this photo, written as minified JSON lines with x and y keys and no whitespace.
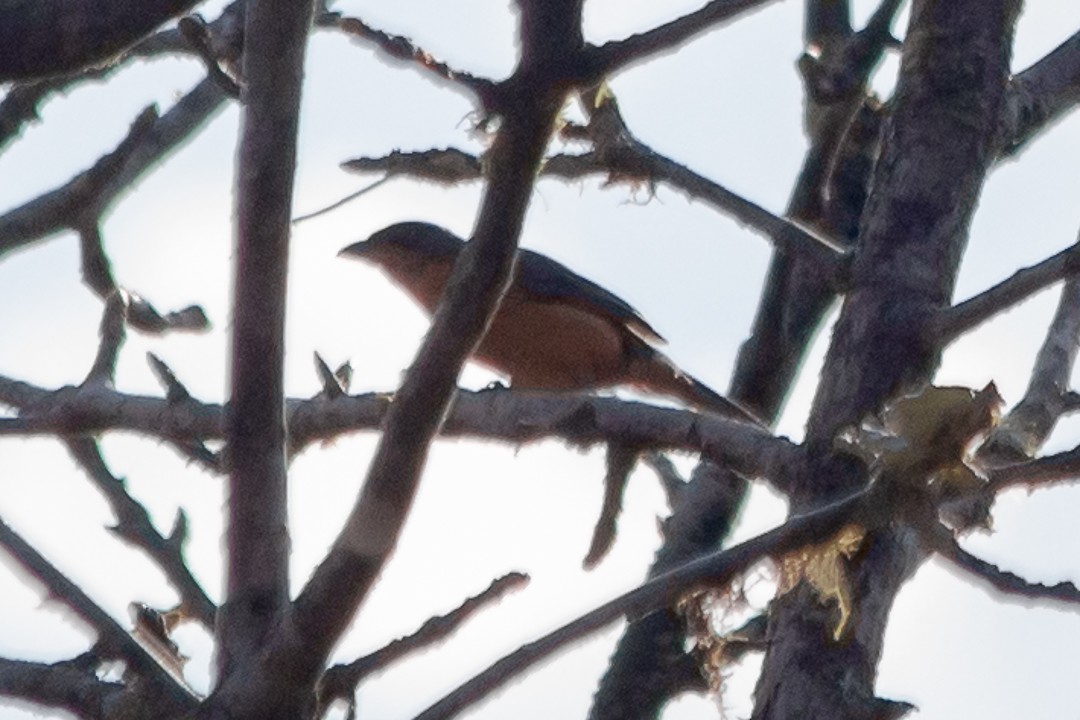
{"x":541,"y":276}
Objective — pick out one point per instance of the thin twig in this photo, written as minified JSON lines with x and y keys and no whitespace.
{"x":340,"y":681}
{"x":1022,"y":284}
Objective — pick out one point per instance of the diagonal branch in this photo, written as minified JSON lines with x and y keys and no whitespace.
{"x":956,"y":320}
{"x":403,"y":49}
{"x":1041,"y":95}
{"x":480,"y":277}
{"x":663,"y":591}
{"x":601,"y":61}
{"x":111,"y":635}
{"x":340,"y":681}
{"x":1003,"y":581}
{"x":133,"y":525}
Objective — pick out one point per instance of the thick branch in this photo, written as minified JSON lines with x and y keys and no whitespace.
{"x":480,"y":277}
{"x":511,"y":416}
{"x":67,"y":685}
{"x":51,"y":37}
{"x":257,"y":580}
{"x":1041,"y":95}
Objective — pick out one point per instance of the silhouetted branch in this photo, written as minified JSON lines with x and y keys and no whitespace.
{"x":341,"y":582}
{"x":1002,"y":580}
{"x":1025,"y":428}
{"x":70,"y":685}
{"x":601,"y":61}
{"x":621,"y":460}
{"x":959,"y":319}
{"x":1061,"y":467}
{"x":256,"y":536}
{"x":51,"y":37}
{"x":512,"y":416}
{"x":403,"y":49}
{"x":340,"y":681}
{"x":112,"y":638}
{"x":134,"y":526}
{"x":1041,"y":95}
{"x":716,"y":569}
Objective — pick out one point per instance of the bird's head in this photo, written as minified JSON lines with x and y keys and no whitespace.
{"x":407,"y":247}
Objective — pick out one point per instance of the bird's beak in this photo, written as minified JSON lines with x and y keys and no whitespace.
{"x":360,"y":249}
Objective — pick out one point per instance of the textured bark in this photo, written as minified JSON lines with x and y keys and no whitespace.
{"x":936,"y":149}
{"x":48,"y":37}
{"x":650,"y":664}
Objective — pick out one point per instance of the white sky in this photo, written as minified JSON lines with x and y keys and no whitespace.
{"x":728,"y":105}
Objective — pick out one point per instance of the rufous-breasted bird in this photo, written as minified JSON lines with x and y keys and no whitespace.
{"x":554,"y":330}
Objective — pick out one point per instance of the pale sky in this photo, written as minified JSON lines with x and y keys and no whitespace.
{"x":728,"y":106}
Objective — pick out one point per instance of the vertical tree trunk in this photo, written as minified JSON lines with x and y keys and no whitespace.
{"x":936,"y":149}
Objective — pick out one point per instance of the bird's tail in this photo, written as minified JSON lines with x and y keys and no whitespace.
{"x":653,"y":372}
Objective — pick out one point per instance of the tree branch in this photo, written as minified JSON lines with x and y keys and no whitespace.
{"x":340,"y":681}
{"x":111,"y":637}
{"x":601,"y":61}
{"x":712,"y":570}
{"x":512,"y":416}
{"x":71,"y":685}
{"x":549,"y":31}
{"x":403,"y":49}
{"x":51,"y":37}
{"x":1039,"y":96}
{"x":257,"y":562}
{"x":1002,"y":580}
{"x":954,"y":321}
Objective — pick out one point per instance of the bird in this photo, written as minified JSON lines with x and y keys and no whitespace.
{"x":554,"y":329}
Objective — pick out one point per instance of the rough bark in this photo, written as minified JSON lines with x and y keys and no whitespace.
{"x":936,"y":149}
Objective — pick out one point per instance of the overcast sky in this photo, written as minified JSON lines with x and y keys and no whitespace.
{"x":729,"y":106}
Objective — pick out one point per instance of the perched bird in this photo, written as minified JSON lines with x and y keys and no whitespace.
{"x":554,"y":330}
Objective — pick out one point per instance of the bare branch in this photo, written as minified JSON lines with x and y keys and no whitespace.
{"x":512,"y":416}
{"x":52,"y":37}
{"x":480,"y":277}
{"x":712,"y":570}
{"x":1022,"y":284}
{"x":633,"y":163}
{"x":111,"y":636}
{"x":401,"y":48}
{"x":1023,"y":431}
{"x":196,"y":32}
{"x":340,"y":681}
{"x":70,"y":685}
{"x":133,"y":525}
{"x":92,"y":191}
{"x":1004,"y":581}
{"x":601,"y":61}
{"x":1063,"y":466}
{"x":257,"y":561}
{"x":621,"y":460}
{"x":1041,"y":95}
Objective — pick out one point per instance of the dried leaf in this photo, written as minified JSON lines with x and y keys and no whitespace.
{"x":822,"y":567}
